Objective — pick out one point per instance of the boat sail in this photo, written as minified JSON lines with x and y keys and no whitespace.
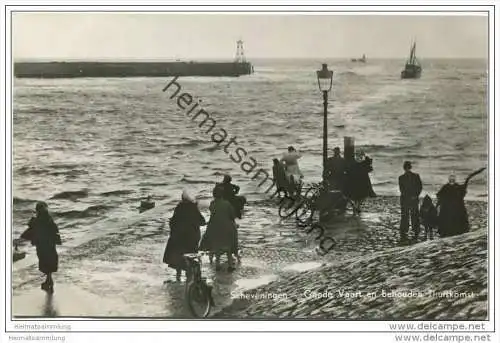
{"x":412,"y":67}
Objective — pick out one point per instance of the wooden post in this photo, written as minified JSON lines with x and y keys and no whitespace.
{"x":349,"y":148}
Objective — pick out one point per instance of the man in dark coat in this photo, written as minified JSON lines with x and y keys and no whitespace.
{"x":230,"y":193}
{"x":335,"y":170}
{"x":410,"y":187}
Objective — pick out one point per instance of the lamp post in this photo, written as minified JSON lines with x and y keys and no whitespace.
{"x":325,"y":80}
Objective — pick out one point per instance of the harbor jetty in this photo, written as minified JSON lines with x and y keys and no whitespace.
{"x":130,"y":69}
{"x":73,"y":69}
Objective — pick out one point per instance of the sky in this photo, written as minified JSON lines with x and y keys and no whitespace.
{"x":213,"y":36}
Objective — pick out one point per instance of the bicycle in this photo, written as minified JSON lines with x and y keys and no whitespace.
{"x":197,"y":290}
{"x":329,"y":203}
{"x":291,"y":205}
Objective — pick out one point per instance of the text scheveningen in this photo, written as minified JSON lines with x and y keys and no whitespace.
{"x":258,"y":296}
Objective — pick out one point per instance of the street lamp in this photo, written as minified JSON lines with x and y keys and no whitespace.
{"x":325,"y":80}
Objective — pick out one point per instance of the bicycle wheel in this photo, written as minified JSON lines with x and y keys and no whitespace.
{"x":309,"y":192}
{"x":304,"y":214}
{"x":287,"y":207}
{"x":199,"y":299}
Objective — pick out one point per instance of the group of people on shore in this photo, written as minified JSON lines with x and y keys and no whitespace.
{"x":221,"y":235}
{"x":350,"y":177}
{"x":449,"y":216}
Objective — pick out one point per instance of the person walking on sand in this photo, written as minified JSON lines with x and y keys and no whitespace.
{"x":184,"y":233}
{"x":44,"y":235}
{"x":410,"y":187}
{"x":221,"y":236}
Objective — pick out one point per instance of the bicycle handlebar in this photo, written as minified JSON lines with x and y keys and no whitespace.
{"x":193,"y":256}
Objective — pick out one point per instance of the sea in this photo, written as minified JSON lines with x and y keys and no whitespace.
{"x":92,"y":148}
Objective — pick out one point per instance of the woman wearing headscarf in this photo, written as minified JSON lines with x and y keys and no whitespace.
{"x":44,"y":235}
{"x":453,"y":218}
{"x":184,"y":233}
{"x":221,"y":236}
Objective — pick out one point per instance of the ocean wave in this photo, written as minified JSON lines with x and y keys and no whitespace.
{"x":389,"y":148}
{"x":72,"y":195}
{"x":207,"y":182}
{"x":186,"y":144}
{"x":69,"y":173}
{"x":210,"y":148}
{"x":21,"y":201}
{"x":154,"y":184}
{"x":117,"y":192}
{"x":350,"y":74}
{"x":91,"y":211}
{"x":53,"y":171}
{"x":30,"y":170}
{"x":70,"y":166}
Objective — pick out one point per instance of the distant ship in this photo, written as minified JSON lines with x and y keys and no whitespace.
{"x":412,"y":67}
{"x":362,"y":59}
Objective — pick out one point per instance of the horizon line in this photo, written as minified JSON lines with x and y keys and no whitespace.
{"x":195,"y":59}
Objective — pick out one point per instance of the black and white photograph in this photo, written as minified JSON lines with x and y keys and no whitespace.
{"x":252,"y":166}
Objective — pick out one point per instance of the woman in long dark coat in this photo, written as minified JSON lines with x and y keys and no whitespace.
{"x":44,"y":234}
{"x":358,"y":185}
{"x":221,"y":236}
{"x":184,"y":234}
{"x":453,"y":218}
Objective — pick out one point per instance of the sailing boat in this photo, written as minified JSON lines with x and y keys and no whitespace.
{"x":412,"y":67}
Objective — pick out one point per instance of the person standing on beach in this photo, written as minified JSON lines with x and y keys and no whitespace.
{"x":221,"y":236}
{"x":231,"y":195}
{"x":335,"y":170}
{"x":453,"y":218}
{"x":358,"y":185}
{"x":44,"y":235}
{"x":410,"y":187}
{"x":184,"y":233}
{"x":292,"y":170}
{"x":279,"y":178}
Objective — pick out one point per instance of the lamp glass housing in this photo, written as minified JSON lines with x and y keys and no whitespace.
{"x":325,"y":78}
